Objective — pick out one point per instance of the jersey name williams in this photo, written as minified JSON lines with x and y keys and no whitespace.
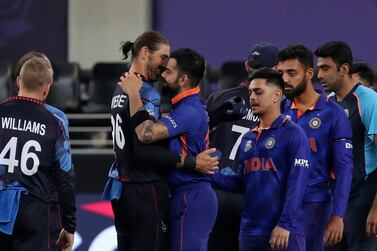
{"x":23,"y":125}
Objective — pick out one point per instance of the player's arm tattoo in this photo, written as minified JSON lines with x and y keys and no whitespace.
{"x":150,"y":131}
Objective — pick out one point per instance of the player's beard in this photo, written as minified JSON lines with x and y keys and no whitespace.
{"x":154,"y":71}
{"x":296,"y":91}
{"x":167,"y":90}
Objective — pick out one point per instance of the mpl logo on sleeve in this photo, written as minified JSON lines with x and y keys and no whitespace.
{"x":301,"y":163}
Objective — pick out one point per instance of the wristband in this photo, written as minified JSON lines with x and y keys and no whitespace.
{"x":189,"y":163}
{"x":138,"y":118}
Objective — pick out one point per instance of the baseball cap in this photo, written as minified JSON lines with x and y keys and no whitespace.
{"x":263,"y":55}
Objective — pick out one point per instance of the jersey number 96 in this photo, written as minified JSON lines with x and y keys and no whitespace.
{"x":117,"y":133}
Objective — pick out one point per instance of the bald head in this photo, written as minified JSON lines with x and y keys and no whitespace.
{"x":35,"y":73}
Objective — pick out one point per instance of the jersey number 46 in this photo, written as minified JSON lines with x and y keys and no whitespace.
{"x":26,"y":154}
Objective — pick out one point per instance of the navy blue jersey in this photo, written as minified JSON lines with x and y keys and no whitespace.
{"x":64,"y":148}
{"x":129,"y":168}
{"x":227,"y":135}
{"x":360,"y":106}
{"x":329,"y":133}
{"x":187,"y":126}
{"x":34,"y":153}
{"x":274,"y":168}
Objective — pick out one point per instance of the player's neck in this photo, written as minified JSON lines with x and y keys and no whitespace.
{"x":308,"y":98}
{"x":184,"y":89}
{"x":343,"y":91}
{"x":30,"y":94}
{"x":268,"y":118}
{"x":137,"y":67}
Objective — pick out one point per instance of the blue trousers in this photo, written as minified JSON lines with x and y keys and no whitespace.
{"x":316,"y":217}
{"x":193,"y":211}
{"x":355,"y":237}
{"x":261,"y":243}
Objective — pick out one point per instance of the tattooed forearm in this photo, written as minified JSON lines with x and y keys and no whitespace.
{"x":148,"y":132}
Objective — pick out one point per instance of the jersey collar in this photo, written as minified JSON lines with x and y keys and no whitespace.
{"x":32,"y":100}
{"x":279,"y":121}
{"x":319,"y":105}
{"x":185,"y":94}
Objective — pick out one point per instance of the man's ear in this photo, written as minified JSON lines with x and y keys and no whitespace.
{"x":345,"y":69}
{"x":46,"y":90}
{"x":18,"y":80}
{"x":278,"y":94}
{"x":309,"y":74}
{"x":144,"y":51}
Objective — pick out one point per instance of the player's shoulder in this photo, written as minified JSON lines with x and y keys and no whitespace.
{"x":188,"y":109}
{"x":288,"y":124}
{"x":290,"y":128}
{"x":217,"y":99}
{"x":366,"y":95}
{"x":59,"y":114}
{"x":332,"y":106}
{"x":148,"y":92}
{"x":37,"y":107}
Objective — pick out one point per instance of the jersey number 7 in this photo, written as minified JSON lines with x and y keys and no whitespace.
{"x":242,"y":130}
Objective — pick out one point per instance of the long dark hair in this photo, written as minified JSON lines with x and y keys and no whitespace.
{"x":150,"y":39}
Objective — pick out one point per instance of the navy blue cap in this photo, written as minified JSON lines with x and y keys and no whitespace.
{"x":263,"y":55}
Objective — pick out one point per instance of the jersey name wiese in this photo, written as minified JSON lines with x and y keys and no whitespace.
{"x":117,"y":101}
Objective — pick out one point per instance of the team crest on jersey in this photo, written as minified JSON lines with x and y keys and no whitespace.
{"x":248,"y":146}
{"x":270,"y":143}
{"x":347,"y":112}
{"x":315,"y":123}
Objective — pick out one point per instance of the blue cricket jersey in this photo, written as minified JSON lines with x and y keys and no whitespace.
{"x":274,"y":168}
{"x":188,"y":132}
{"x":360,"y":106}
{"x":63,"y":146}
{"x":329,"y":133}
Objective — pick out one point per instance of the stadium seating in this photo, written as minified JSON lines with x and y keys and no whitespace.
{"x":65,"y":91}
{"x":105,"y":77}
